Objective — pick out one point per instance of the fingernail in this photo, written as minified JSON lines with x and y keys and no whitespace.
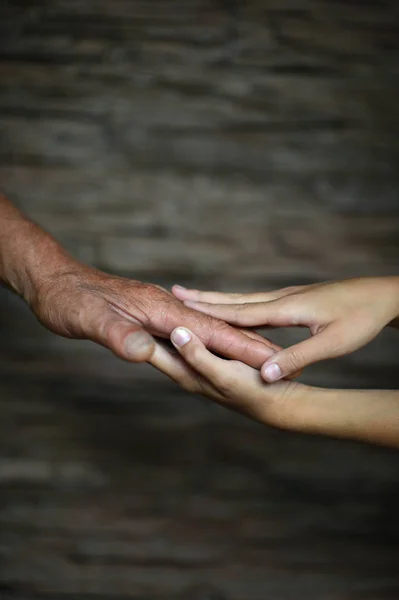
{"x":272,"y":372}
{"x":180,"y":287}
{"x":137,"y":342}
{"x":180,"y":337}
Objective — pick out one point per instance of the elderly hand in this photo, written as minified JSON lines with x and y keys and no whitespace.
{"x":82,"y":302}
{"x":342,"y":316}
{"x":77,"y":301}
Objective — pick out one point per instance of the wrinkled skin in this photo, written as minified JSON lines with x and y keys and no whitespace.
{"x":85,"y":303}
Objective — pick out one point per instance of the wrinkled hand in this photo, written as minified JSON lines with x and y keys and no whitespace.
{"x":342,"y":316}
{"x":123,"y":315}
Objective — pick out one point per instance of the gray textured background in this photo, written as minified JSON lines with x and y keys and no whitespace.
{"x":238,"y":145}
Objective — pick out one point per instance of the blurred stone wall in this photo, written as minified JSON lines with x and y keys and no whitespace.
{"x":232,"y":144}
{"x":238,"y":142}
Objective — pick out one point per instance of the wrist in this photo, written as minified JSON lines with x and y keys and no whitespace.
{"x":45,"y":261}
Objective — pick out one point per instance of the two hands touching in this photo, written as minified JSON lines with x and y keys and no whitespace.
{"x":77,"y":301}
{"x":341,"y":316}
{"x":130,"y":318}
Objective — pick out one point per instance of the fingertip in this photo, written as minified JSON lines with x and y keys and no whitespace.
{"x":271,"y":372}
{"x":178,"y":288}
{"x":181,"y":292}
{"x":180,"y":337}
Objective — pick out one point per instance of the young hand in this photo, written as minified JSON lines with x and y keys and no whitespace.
{"x":365,"y":415}
{"x":342,"y":316}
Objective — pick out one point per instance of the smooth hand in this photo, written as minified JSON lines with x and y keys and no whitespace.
{"x":341,"y":316}
{"x":365,"y":415}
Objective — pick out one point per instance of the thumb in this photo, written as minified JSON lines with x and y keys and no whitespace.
{"x":322,"y":346}
{"x":126,"y":339}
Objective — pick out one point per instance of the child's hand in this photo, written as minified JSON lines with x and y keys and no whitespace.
{"x":342,"y":316}
{"x":231,"y":383}
{"x":371,"y":416}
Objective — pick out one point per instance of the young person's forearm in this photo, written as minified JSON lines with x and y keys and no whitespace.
{"x":27,"y":253}
{"x":365,"y":415}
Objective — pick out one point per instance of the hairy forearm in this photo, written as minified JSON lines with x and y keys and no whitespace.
{"x":365,"y":415}
{"x":28,"y":255}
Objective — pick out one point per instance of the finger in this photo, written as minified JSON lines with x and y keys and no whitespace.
{"x":183,"y":294}
{"x":232,"y":343}
{"x":197,"y":356}
{"x":276,"y":313}
{"x":240,"y":387}
{"x":127,"y":340}
{"x":172,"y":365}
{"x":177,"y":369}
{"x":324,"y":345}
{"x":217,"y":335}
{"x":256,"y":336}
{"x":168,"y":313}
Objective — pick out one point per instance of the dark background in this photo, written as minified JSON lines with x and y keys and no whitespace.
{"x":238,"y":145}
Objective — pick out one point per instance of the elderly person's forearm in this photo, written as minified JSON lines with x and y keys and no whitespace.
{"x":77,"y":301}
{"x":28,"y":254}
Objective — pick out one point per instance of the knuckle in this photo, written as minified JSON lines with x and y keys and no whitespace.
{"x":152,"y":294}
{"x":194,"y":354}
{"x":216,"y":328}
{"x":295,"y":360}
{"x":156,"y":307}
{"x":241,"y":308}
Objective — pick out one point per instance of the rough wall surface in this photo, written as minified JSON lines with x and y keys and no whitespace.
{"x":230,"y":144}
